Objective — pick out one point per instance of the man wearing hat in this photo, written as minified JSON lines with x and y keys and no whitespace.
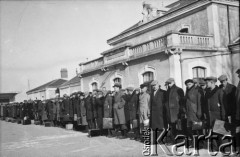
{"x":99,"y":108}
{"x":144,"y":104}
{"x":215,"y":107}
{"x":118,"y":110}
{"x":129,"y":92}
{"x":228,"y":97}
{"x":237,"y":115}
{"x":175,"y":105}
{"x":157,"y":107}
{"x":193,"y":107}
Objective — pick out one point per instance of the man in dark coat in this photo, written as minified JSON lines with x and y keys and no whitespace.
{"x":157,"y":100}
{"x":237,"y":115}
{"x":175,"y":105}
{"x":65,"y":105}
{"x":228,"y":98}
{"x":128,"y":96}
{"x":193,"y":107}
{"x":99,"y":106}
{"x":215,"y":107}
{"x":157,"y":108}
{"x":89,"y":110}
{"x":108,"y":113}
{"x":118,"y":109}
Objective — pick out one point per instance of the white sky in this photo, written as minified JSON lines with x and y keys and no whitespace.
{"x":38,"y":38}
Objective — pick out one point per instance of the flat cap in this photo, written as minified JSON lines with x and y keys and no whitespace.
{"x":64,"y":95}
{"x":189,"y":81}
{"x":238,"y":71}
{"x":202,"y":82}
{"x":211,"y":78}
{"x":117,"y":85}
{"x":222,"y":77}
{"x":143,"y":85}
{"x":130,"y":88}
{"x":170,"y":80}
{"x":195,"y":80}
{"x":137,"y":89}
{"x":154,"y":82}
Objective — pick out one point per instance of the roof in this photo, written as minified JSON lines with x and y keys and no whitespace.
{"x":52,"y":84}
{"x":7,"y":95}
{"x":115,"y":48}
{"x":83,"y":63}
{"x":74,"y":80}
{"x":174,"y":6}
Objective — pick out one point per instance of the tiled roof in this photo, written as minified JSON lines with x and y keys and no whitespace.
{"x":74,"y":80}
{"x":52,"y":84}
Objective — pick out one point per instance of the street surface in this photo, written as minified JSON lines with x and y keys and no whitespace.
{"x":38,"y":141}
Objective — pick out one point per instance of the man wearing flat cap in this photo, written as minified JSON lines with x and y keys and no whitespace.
{"x":129,"y":91}
{"x":215,"y":107}
{"x":228,"y":96}
{"x":175,"y":105}
{"x":99,"y":108}
{"x":157,"y":107}
{"x":144,"y":104}
{"x":118,"y":109}
{"x":193,"y":107}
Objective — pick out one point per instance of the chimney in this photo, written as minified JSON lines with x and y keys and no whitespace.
{"x":64,"y":73}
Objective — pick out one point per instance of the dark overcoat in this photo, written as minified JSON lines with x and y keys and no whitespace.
{"x":89,"y":108}
{"x":108,"y":107}
{"x":228,"y":100}
{"x":193,"y":105}
{"x":127,"y":98}
{"x":157,"y":109}
{"x":99,"y":106}
{"x":237,"y":97}
{"x":133,"y":106}
{"x":118,"y":108}
{"x":215,"y":107}
{"x":175,"y":103}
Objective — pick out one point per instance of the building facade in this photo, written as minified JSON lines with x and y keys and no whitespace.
{"x":71,"y":86}
{"x":189,"y":39}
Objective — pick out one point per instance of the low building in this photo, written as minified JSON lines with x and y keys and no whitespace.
{"x":189,"y":39}
{"x":6,"y":98}
{"x":71,"y":86}
{"x":48,"y":90}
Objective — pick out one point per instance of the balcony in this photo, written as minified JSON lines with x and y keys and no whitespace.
{"x":184,"y":41}
{"x":91,"y":65}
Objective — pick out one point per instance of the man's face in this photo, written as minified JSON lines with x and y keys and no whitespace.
{"x":144,"y":89}
{"x":155,"y":87}
{"x":210,"y":84}
{"x":104,"y":89}
{"x":224,"y":83}
{"x":204,"y":86}
{"x":81,"y":97}
{"x":116,"y":89}
{"x":171,"y":84}
{"x":129,"y":92}
{"x":137,"y":92}
{"x":189,"y":85}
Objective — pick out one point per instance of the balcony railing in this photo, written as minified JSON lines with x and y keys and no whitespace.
{"x":92,"y":64}
{"x":160,"y":44}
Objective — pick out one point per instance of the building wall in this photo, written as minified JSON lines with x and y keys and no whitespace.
{"x":131,"y":75}
{"x":64,"y":90}
{"x":198,"y":23}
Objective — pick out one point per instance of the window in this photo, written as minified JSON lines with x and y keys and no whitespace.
{"x":94,"y":86}
{"x":117,"y":80}
{"x":147,"y":77}
{"x":199,"y":72}
{"x":184,"y":30}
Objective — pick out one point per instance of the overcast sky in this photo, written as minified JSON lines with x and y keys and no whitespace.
{"x":38,"y":38}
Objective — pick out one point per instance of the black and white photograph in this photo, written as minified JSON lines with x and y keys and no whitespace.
{"x":119,"y":78}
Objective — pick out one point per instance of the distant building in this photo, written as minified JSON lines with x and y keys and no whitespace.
{"x":187,"y":39}
{"x":48,"y":90}
{"x":7,"y":97}
{"x":71,"y":86}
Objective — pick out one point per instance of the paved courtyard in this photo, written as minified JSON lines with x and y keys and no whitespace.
{"x":33,"y":140}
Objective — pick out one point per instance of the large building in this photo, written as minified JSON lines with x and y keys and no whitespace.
{"x":187,"y":39}
{"x":6,"y":98}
